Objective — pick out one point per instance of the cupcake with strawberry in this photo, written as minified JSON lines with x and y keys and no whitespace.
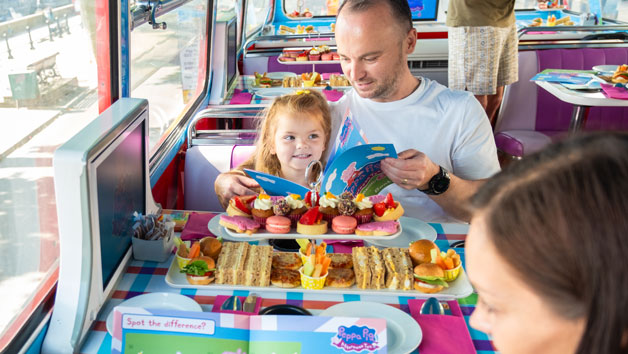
{"x":308,"y":199}
{"x":364,"y":212}
{"x":262,"y":209}
{"x":328,"y":206}
{"x":314,"y":55}
{"x":388,"y":209}
{"x":302,"y":56}
{"x":240,"y":206}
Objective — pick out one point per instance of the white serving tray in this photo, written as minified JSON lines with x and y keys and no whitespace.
{"x":311,"y":62}
{"x":330,"y":235}
{"x":460,"y":288}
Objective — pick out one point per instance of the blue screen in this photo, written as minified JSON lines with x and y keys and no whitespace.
{"x":120,"y":184}
{"x":423,"y":10}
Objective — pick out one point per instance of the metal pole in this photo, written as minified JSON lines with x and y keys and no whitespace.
{"x":49,"y":31}
{"x":59,"y":29}
{"x":67,"y":25}
{"x":6,"y":40}
{"x":30,"y":38}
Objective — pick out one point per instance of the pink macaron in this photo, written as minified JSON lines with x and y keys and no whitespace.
{"x":278,"y":224}
{"x":344,"y":224}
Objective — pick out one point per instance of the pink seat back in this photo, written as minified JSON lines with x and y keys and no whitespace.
{"x":241,"y":153}
{"x":555,"y":115}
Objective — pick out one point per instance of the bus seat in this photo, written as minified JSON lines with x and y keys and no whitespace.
{"x":241,"y":153}
{"x":530,"y":118}
{"x":202,"y":165}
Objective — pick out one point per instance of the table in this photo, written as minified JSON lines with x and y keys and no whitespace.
{"x":146,"y":277}
{"x":244,"y":85}
{"x":580,"y":100}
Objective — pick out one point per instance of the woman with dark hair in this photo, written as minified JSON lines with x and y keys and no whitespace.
{"x":547,"y":249}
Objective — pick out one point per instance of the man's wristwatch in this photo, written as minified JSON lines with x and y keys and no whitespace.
{"x":438,"y":184}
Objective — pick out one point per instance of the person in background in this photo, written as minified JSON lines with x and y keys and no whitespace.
{"x":483,"y":53}
{"x":295,"y":131}
{"x":547,"y":247}
{"x":444,"y":141}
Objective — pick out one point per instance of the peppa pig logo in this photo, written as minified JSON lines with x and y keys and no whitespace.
{"x":355,"y":339}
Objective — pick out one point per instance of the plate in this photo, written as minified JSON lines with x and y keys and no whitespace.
{"x":279,"y":75}
{"x":413,"y":229}
{"x":308,"y":62}
{"x":274,"y":92}
{"x":403,"y":333}
{"x":219,"y":230}
{"x":605,"y":69}
{"x":459,"y":288}
{"x":330,"y":235}
{"x":162,"y":301}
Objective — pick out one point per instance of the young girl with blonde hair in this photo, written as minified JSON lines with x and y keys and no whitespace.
{"x":295,"y":131}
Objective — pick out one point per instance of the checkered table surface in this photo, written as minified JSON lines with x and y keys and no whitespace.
{"x":147,"y":277}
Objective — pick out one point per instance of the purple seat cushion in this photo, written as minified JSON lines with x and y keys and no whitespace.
{"x":521,"y":142}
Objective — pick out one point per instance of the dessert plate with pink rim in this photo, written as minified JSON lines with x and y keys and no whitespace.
{"x":330,"y":235}
{"x":413,"y":229}
{"x":403,"y":333}
{"x":220,"y":231}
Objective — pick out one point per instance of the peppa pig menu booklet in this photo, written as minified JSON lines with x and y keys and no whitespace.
{"x":138,"y":330}
{"x":353,"y":166}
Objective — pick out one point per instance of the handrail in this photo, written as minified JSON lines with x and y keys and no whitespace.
{"x":225,"y":111}
{"x":288,"y":38}
{"x":527,"y":30}
{"x":147,"y":10}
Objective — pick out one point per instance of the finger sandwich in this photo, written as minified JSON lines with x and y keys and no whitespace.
{"x":399,"y":273}
{"x":231,"y":261}
{"x":369,"y":268}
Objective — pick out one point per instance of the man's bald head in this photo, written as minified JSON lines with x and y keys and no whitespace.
{"x":399,"y":10}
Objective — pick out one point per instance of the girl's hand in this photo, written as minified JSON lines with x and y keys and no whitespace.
{"x":411,"y":169}
{"x":228,"y":185}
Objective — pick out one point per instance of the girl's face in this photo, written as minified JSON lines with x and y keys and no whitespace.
{"x":513,"y":314}
{"x":299,"y":139}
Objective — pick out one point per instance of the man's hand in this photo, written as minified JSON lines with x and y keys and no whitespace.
{"x":411,"y":169}
{"x":228,"y":185}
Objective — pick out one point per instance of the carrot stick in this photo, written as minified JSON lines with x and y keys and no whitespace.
{"x":326,"y":263}
{"x":195,"y":250}
{"x":449,"y":262}
{"x":308,"y":249}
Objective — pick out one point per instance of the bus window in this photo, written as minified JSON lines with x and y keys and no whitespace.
{"x":48,"y":92}
{"x":168,"y":67}
{"x":257,"y":12}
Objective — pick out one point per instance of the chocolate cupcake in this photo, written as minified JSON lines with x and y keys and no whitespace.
{"x":328,"y":206}
{"x":346,"y":207}
{"x":262,"y":209}
{"x":346,"y":196}
{"x":364,"y":212}
{"x":297,"y":208}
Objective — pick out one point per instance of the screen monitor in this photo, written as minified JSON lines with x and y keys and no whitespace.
{"x":423,"y":10}
{"x":224,"y":59}
{"x":232,"y":51}
{"x":101,"y":179}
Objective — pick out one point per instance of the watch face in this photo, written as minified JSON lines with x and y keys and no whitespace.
{"x":441,"y":185}
{"x":440,"y":182}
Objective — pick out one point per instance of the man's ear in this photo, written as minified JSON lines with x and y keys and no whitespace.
{"x":410,"y":41}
